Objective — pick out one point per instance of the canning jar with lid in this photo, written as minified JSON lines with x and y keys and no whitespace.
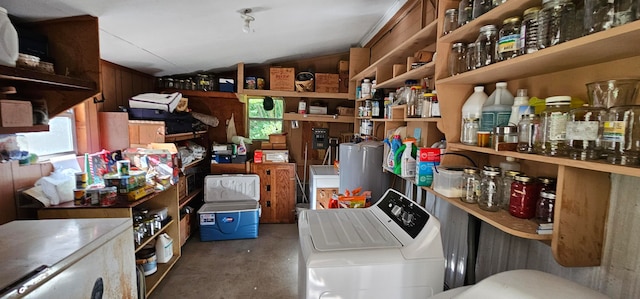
{"x":480,"y":7}
{"x":486,"y":44}
{"x":503,"y":135}
{"x":552,"y":29}
{"x":545,"y":207}
{"x":465,"y":12}
{"x":450,"y":21}
{"x":528,"y":129}
{"x":547,"y":184}
{"x":470,"y":185}
{"x":457,"y":59}
{"x":554,"y":124}
{"x":509,"y":39}
{"x":529,"y":31}
{"x":507,"y":179}
{"x":472,"y":56}
{"x":525,"y":192}
{"x":490,"y":189}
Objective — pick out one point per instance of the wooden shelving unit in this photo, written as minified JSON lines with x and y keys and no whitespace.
{"x":27,"y":76}
{"x":427,"y":70}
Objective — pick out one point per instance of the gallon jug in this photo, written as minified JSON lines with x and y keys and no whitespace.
{"x":408,"y":162}
{"x":520,"y":107}
{"x":471,"y":114}
{"x":164,"y":248}
{"x":8,"y":40}
{"x":497,"y":109}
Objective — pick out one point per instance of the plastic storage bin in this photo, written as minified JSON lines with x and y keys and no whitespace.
{"x":447,"y":180}
{"x":231,"y":209}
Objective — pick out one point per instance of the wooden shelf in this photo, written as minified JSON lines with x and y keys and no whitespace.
{"x":184,"y":201}
{"x":599,"y":165}
{"x":45,"y":79}
{"x":587,"y":50}
{"x":319,"y":118}
{"x":294,"y":94}
{"x":426,"y":36}
{"x":502,"y":220}
{"x":426,"y":119}
{"x":154,"y":279}
{"x":192,"y":164}
{"x":35,"y":128}
{"x":427,"y":70}
{"x":362,"y":99}
{"x":148,"y":239}
{"x":202,"y":93}
{"x":184,"y":136}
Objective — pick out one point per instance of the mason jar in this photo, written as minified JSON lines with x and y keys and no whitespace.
{"x":457,"y":59}
{"x":509,"y":39}
{"x":554,"y":124}
{"x":545,"y":207}
{"x":584,"y":133}
{"x":507,"y":180}
{"x":450,"y":21}
{"x":490,"y":190}
{"x":470,"y":185}
{"x":528,"y":128}
{"x":621,"y":135}
{"x":525,"y":192}
{"x":486,"y":44}
{"x":529,"y":31}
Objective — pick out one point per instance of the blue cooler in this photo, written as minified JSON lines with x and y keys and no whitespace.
{"x":231,"y":209}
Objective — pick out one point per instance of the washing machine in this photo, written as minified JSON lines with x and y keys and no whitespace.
{"x":392,"y":249}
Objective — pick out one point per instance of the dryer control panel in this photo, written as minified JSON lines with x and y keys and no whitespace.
{"x":406,"y":213}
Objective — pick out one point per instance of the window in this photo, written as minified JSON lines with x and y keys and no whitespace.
{"x":262,"y":122}
{"x":60,"y":139}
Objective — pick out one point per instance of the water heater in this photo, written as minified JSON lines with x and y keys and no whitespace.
{"x":361,"y":166}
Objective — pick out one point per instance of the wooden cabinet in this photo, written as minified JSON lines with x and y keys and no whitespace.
{"x":124,"y":209}
{"x":74,"y":45}
{"x":277,"y":191}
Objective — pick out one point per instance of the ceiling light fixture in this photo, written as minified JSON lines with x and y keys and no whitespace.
{"x":246,"y":28}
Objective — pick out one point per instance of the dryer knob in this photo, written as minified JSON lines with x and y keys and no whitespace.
{"x":396,"y":211}
{"x":407,"y":219}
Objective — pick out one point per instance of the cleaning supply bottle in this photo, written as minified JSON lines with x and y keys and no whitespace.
{"x":471,"y":114}
{"x":496,"y":111}
{"x":408,"y":161}
{"x":509,"y":164}
{"x":520,"y":107}
{"x":395,"y":145}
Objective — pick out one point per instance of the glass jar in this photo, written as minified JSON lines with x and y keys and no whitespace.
{"x":465,"y":12}
{"x":470,"y":185}
{"x":450,"y":21}
{"x":486,"y":45}
{"x":469,"y":135}
{"x":507,"y":179}
{"x":525,"y":192}
{"x":529,"y":31}
{"x":457,"y":59}
{"x":367,"y":108}
{"x":202,"y":82}
{"x":545,"y":207}
{"x":554,"y":124}
{"x":169,"y":83}
{"x":427,"y":104}
{"x":490,"y":191}
{"x":598,"y":15}
{"x":472,"y":56}
{"x":621,"y":135}
{"x":549,"y":22}
{"x":584,"y":133}
{"x":528,"y":128}
{"x":412,"y":101}
{"x":509,"y":39}
{"x":480,"y":7}
{"x":624,"y":11}
{"x":495,"y":3}
{"x":547,"y":184}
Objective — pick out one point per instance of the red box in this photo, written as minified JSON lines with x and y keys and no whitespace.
{"x":257,"y":156}
{"x":428,"y":154}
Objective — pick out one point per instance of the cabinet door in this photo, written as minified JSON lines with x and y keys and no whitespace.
{"x":145,"y":132}
{"x":277,"y":191}
{"x":264,"y":173}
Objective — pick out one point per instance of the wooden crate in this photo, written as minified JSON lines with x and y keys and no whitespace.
{"x":327,"y":82}
{"x":282,"y":78}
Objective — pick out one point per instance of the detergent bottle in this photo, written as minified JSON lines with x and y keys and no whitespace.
{"x":408,"y":161}
{"x":394,"y":147}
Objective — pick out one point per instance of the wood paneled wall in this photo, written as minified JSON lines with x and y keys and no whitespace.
{"x":120,"y":83}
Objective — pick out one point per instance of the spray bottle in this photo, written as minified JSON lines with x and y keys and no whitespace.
{"x":408,"y":161}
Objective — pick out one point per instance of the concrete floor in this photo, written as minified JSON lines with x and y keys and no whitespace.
{"x":266,"y":267}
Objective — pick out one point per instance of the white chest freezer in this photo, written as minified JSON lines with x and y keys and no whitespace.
{"x":231,"y":209}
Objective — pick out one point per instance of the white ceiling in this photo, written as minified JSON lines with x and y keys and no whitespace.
{"x":164,"y":37}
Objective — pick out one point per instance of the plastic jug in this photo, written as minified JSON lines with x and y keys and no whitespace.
{"x":164,"y":248}
{"x":471,"y":114}
{"x":408,"y":161}
{"x":8,"y":40}
{"x":496,"y":111}
{"x":520,"y":107}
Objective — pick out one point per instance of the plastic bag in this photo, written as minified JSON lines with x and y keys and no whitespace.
{"x":231,"y":129}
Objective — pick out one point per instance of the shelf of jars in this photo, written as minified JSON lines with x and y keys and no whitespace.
{"x":587,"y":50}
{"x":426,"y":36}
{"x":319,"y":117}
{"x":294,"y":94}
{"x":596,"y":165}
{"x":424,"y":71}
{"x":502,"y":220}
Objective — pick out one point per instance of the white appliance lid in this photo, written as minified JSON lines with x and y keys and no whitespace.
{"x":348,"y":229}
{"x":231,"y":187}
{"x":229,"y":206}
{"x":324,"y":170}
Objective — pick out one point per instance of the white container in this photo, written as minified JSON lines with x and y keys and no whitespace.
{"x":447,"y":181}
{"x":164,"y":102}
{"x":408,"y":163}
{"x":164,"y":248}
{"x":520,"y":107}
{"x":8,"y":40}
{"x":496,"y":111}
{"x":365,"y":88}
{"x":471,"y":114}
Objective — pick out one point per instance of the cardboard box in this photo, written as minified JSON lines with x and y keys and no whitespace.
{"x":317,"y":110}
{"x":257,"y":156}
{"x":346,"y":111}
{"x":343,"y":66}
{"x":182,"y":187}
{"x":275,"y":156}
{"x":16,"y":113}
{"x":343,"y":75}
{"x":282,"y":78}
{"x":266,"y":145}
{"x":278,"y":138}
{"x":279,"y":146}
{"x":327,"y":82}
